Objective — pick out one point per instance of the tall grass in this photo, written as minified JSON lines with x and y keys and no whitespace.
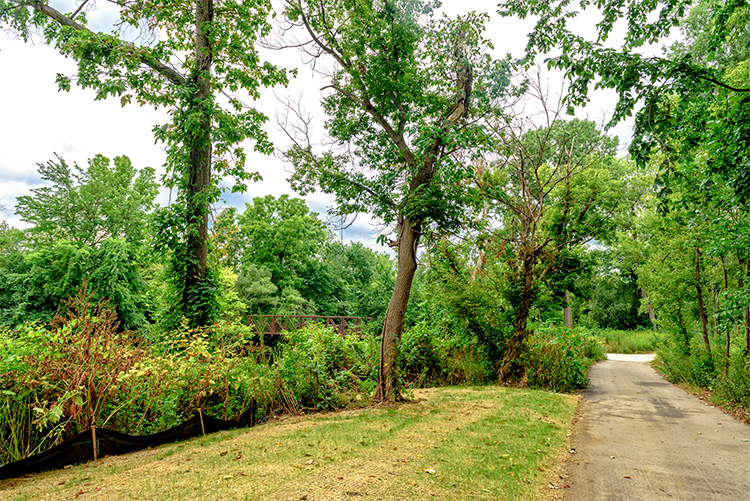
{"x":636,"y":341}
{"x":558,"y":358}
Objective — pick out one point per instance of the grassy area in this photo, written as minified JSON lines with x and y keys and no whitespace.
{"x":449,"y":443}
{"x":645,"y":341}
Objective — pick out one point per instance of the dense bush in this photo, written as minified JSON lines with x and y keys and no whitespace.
{"x":733,"y":387}
{"x":693,"y":367}
{"x":82,"y":371}
{"x":430,"y":358}
{"x":325,"y":370}
{"x":632,"y":341}
{"x":558,"y":358}
{"x":728,"y":378}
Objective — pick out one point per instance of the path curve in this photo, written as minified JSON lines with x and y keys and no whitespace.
{"x":638,"y":437}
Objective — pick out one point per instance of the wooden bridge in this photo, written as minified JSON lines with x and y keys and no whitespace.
{"x":276,"y":325}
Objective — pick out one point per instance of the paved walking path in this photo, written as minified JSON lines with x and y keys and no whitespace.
{"x":641,"y":438}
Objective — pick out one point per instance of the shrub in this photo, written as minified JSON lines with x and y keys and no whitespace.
{"x":428,"y":357}
{"x":323,"y":369}
{"x":633,"y":341}
{"x":695,"y":368}
{"x":64,"y":379}
{"x":733,"y":388}
{"x":57,"y":381}
{"x":558,"y":358}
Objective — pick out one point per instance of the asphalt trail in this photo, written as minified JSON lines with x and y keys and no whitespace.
{"x":641,"y":438}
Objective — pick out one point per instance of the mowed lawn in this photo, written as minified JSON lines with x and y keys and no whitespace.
{"x":446,"y":444}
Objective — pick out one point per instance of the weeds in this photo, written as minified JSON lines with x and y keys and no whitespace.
{"x":82,"y":372}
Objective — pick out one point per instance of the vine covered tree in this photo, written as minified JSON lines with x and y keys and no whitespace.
{"x":187,"y":55}
{"x":402,"y":89}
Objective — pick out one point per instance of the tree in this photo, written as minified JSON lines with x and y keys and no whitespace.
{"x":35,"y":284}
{"x":283,"y":235}
{"x":707,"y":71}
{"x":189,"y":55}
{"x":90,"y":205}
{"x":402,"y":87}
{"x":554,"y":187}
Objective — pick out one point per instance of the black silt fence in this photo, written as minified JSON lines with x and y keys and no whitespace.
{"x":80,"y":448}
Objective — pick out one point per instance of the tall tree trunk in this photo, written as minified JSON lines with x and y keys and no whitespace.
{"x":511,"y":368}
{"x":747,"y":312}
{"x":568,"y":311}
{"x":726,"y":327}
{"x":701,"y":308}
{"x":683,"y":330}
{"x":196,"y":299}
{"x":712,"y":326}
{"x":744,"y":264}
{"x":393,"y":325}
{"x":651,"y":314}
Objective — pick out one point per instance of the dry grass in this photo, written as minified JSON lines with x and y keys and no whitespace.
{"x":449,"y":443}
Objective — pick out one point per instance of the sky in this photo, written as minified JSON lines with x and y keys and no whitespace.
{"x":39,"y":121}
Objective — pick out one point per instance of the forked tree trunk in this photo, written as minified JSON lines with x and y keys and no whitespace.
{"x":393,"y":326}
{"x":194,"y":294}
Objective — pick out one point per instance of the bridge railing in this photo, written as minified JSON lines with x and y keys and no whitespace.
{"x":277,"y":325}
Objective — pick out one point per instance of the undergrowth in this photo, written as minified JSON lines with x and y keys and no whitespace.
{"x":82,"y":371}
{"x":632,"y":341}
{"x":727,"y":378}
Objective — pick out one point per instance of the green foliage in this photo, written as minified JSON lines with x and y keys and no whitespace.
{"x":732,"y":388}
{"x":284,"y":236}
{"x":68,"y":376}
{"x":204,"y":134}
{"x":632,"y":341}
{"x":255,"y":288}
{"x":615,"y":304}
{"x":695,"y":368}
{"x":558,"y":358}
{"x":428,"y":357}
{"x":230,"y":304}
{"x":90,"y":205}
{"x":694,"y":97}
{"x":325,"y":370}
{"x":36,"y":283}
{"x":91,"y":224}
{"x":57,"y":381}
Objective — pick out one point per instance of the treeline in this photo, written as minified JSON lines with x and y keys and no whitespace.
{"x":96,"y":224}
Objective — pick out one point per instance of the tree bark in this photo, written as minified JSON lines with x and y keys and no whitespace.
{"x":701,"y":308}
{"x":199,"y":171}
{"x":568,"y":311}
{"x":393,"y":325}
{"x":683,"y":330}
{"x":651,"y":313}
{"x":747,"y":313}
{"x":727,"y":330}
